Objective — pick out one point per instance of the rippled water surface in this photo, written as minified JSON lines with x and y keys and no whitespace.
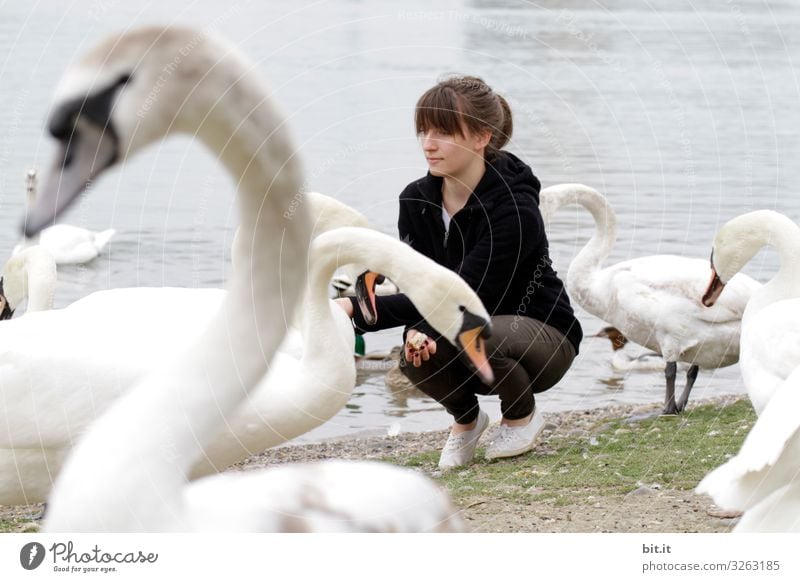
{"x":683,"y":113}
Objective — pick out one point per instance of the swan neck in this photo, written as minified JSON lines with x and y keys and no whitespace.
{"x":599,"y":247}
{"x":41,"y":295}
{"x":785,"y":284}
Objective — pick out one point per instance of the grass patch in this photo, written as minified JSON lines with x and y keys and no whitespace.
{"x":18,"y":525}
{"x":609,"y":458}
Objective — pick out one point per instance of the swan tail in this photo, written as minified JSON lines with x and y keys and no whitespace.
{"x":101,"y":238}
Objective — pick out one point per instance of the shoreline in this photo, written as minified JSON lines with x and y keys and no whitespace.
{"x":505,"y":506}
{"x":365,"y":446}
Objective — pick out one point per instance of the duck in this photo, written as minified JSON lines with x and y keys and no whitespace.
{"x":652,"y":300}
{"x":770,"y":340}
{"x":129,"y":471}
{"x":761,"y":481}
{"x":622,"y":362}
{"x":28,"y":276}
{"x":69,"y":245}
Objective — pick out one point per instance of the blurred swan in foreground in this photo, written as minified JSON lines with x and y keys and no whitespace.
{"x":652,"y":300}
{"x":763,"y":479}
{"x":129,"y":472}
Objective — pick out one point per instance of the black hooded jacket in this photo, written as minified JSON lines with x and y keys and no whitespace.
{"x":496,"y":242}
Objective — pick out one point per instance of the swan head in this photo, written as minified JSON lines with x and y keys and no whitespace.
{"x":738,"y":241}
{"x":454,"y":310}
{"x":126,"y":93}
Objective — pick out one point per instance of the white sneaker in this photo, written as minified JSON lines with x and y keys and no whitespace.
{"x":510,"y":441}
{"x":460,"y":448}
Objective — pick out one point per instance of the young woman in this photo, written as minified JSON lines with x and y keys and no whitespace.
{"x":476,"y":212}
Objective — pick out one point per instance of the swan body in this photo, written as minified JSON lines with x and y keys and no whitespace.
{"x":770,"y":341}
{"x":332,"y":496}
{"x":654,"y":300}
{"x":121,"y":477}
{"x":61,"y":369}
{"x":69,"y":245}
{"x":762,"y":479}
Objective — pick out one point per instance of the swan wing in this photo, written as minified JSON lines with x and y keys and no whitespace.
{"x":777,"y":513}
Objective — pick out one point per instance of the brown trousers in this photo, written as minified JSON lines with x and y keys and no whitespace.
{"x":526,"y":355}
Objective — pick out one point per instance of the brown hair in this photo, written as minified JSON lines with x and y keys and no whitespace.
{"x":467,"y":103}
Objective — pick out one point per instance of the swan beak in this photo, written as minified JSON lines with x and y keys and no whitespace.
{"x":365,"y":294}
{"x":715,"y":287}
{"x":83,"y":154}
{"x":473,"y":345}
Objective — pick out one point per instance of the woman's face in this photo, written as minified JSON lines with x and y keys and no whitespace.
{"x":453,"y":154}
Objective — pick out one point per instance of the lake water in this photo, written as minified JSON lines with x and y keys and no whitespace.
{"x":683,"y":113}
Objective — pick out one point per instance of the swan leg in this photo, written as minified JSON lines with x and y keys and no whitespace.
{"x":691,"y":376}
{"x":670,"y":372}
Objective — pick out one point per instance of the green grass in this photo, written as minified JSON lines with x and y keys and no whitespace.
{"x":614,"y":458}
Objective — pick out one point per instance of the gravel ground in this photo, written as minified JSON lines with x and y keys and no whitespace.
{"x":644,"y":510}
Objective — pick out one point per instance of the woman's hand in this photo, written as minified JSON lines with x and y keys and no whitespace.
{"x":419,"y":347}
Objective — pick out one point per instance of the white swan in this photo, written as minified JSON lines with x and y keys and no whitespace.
{"x":28,"y":275}
{"x":129,"y":472}
{"x":763,"y":479}
{"x":299,"y":394}
{"x":652,"y":300}
{"x":770,"y":342}
{"x":69,"y":245}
